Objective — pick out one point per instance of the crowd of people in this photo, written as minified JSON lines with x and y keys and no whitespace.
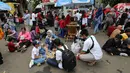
{"x":53,"y":51}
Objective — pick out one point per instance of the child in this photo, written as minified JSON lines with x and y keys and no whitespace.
{"x":36,"y":57}
{"x":11,"y":45}
{"x":56,"y":25}
{"x":43,"y":50}
{"x":62,"y":28}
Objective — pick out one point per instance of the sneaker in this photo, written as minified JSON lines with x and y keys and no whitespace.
{"x":92,"y":63}
{"x":39,"y":64}
{"x":31,"y":63}
{"x":23,"y":50}
{"x":123,"y":54}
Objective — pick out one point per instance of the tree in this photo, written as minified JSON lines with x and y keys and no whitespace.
{"x":114,"y":2}
{"x":22,"y":6}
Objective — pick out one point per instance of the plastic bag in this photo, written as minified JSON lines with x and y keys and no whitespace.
{"x":75,"y":48}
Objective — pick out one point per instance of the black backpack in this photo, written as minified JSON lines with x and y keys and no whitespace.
{"x":1,"y":59}
{"x":69,"y":59}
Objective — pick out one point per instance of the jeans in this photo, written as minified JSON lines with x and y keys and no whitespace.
{"x":96,"y":29}
{"x":50,"y":44}
{"x":39,"y":60}
{"x":62,"y":32}
{"x":52,"y":62}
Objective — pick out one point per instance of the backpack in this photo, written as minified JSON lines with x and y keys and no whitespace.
{"x":1,"y":59}
{"x":69,"y":59}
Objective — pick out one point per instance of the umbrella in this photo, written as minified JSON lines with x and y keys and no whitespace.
{"x":106,"y":10}
{"x":108,"y":6}
{"x":40,"y":6}
{"x":122,"y":6}
{"x":4,"y":6}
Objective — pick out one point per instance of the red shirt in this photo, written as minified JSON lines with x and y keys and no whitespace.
{"x":37,"y":30}
{"x":62,"y":23}
{"x":20,"y":20}
{"x":110,"y":30}
{"x":67,"y":19}
{"x":39,"y":16}
{"x":11,"y":46}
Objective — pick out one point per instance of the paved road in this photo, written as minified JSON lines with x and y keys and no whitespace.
{"x":18,"y":62}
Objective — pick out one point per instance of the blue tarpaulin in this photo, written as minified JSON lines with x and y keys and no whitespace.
{"x":63,"y":2}
{"x":67,"y":2}
{"x":4,"y":6}
{"x":81,"y":1}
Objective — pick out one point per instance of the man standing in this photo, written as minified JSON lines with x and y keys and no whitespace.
{"x":91,"y":51}
{"x":78,"y":16}
{"x":27,"y":17}
{"x":34,"y":18}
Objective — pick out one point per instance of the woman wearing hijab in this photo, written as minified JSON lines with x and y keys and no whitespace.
{"x":49,"y":39}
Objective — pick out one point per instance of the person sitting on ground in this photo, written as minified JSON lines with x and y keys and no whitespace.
{"x":57,"y":60}
{"x":125,"y":49}
{"x":36,"y":57}
{"x":116,"y":31}
{"x":42,"y":47}
{"x":49,"y":38}
{"x":33,"y":34}
{"x":127,"y":31}
{"x":112,"y":45}
{"x":11,"y":45}
{"x":11,"y":34}
{"x":91,"y":51}
{"x":111,"y":29}
{"x":24,"y":40}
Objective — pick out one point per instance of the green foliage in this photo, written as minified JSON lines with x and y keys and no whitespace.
{"x":35,"y":3}
{"x":114,"y":2}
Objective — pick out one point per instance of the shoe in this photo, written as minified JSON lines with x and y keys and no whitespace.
{"x":39,"y":64}
{"x":123,"y":54}
{"x":23,"y":50}
{"x":92,"y":63}
{"x":31,"y":63}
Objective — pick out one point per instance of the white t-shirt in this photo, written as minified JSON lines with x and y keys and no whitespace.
{"x":78,"y":15}
{"x":85,"y":21}
{"x":96,"y":50}
{"x":33,"y":17}
{"x":59,"y":56}
{"x":35,"y":51}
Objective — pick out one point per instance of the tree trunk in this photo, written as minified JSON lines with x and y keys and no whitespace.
{"x":22,"y":6}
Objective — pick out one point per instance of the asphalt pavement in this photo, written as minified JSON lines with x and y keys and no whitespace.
{"x":18,"y":62}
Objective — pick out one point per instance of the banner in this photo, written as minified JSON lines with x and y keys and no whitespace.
{"x":63,"y":2}
{"x":81,"y":1}
{"x":92,"y":2}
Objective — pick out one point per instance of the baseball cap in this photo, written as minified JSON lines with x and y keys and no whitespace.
{"x":36,"y":42}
